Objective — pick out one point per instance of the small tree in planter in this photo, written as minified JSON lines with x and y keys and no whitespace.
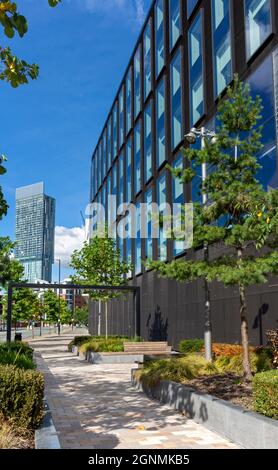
{"x":99,"y":263}
{"x":239,"y":214}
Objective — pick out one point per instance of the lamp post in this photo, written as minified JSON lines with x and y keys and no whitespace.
{"x":191,"y":138}
{"x":59,"y":312}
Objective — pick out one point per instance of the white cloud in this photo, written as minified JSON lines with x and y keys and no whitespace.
{"x":66,"y":241}
{"x":133,"y":10}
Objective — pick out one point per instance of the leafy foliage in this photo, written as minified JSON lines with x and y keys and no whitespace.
{"x":191,"y":345}
{"x":81,"y":316}
{"x":272,"y":336}
{"x":21,"y":396}
{"x":51,"y":306}
{"x":10,"y":268}
{"x":265,"y":391}
{"x":240,"y":214}
{"x":105,"y":345}
{"x":99,"y":263}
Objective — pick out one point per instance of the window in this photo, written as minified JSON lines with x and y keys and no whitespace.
{"x":176,"y":116}
{"x":148,"y":141}
{"x":262,"y":84}
{"x":99,"y":166}
{"x":190,"y":6}
{"x":149,"y":222}
{"x":104,"y":159}
{"x":174,"y":22}
{"x":109,"y":143}
{"x":178,"y":198}
{"x":147,"y":61}
{"x":257,"y":24}
{"x":137,"y":82}
{"x":115,"y":131}
{"x":121,"y":117}
{"x":160,"y":123}
{"x":128,"y":171}
{"x":161,"y":201}
{"x":93,"y":184}
{"x":137,"y":158}
{"x":222,"y":52}
{"x":128,"y":100}
{"x":196,"y":70}
{"x":159,"y":37}
{"x":128,"y":243}
{"x":121,"y":179}
{"x":103,"y":197}
{"x":138,"y":251}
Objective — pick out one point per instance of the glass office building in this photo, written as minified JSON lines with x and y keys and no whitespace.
{"x":185,"y":57}
{"x":35,"y":227}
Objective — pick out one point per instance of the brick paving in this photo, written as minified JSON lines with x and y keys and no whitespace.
{"x":95,"y":407}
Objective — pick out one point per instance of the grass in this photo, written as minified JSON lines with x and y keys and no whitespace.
{"x":18,"y":354}
{"x":14,"y":438}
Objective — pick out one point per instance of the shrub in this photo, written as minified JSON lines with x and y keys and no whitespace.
{"x":78,"y":341}
{"x":228,"y":350}
{"x":17,"y":347}
{"x":109,"y":345}
{"x":22,"y":361}
{"x":265,"y":393}
{"x":176,"y":370}
{"x":272,"y":336}
{"x":191,"y":345}
{"x":21,"y":396}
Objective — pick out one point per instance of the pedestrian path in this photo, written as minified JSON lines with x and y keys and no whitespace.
{"x":95,"y":407}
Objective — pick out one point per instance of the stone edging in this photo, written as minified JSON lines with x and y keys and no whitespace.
{"x":46,"y":437}
{"x":246,"y":428}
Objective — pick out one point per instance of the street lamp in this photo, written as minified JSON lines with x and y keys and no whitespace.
{"x":59,"y":312}
{"x":191,"y":138}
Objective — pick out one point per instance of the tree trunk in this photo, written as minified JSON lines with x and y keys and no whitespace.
{"x":244,"y":328}
{"x":106,"y":320}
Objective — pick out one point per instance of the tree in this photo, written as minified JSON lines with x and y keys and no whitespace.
{"x":81,"y":316}
{"x":99,"y":263}
{"x":12,"y":69}
{"x":239,"y":214}
{"x":10,"y":268}
{"x":26,"y":305}
{"x":51,"y":307}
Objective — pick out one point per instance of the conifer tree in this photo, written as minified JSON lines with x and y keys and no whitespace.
{"x":240,"y":214}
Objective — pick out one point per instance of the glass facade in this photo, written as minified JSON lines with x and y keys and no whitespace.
{"x":148,"y":141}
{"x":128,"y":89}
{"x":121,"y":179}
{"x":128,"y":183}
{"x":121,"y":117}
{"x":160,"y":123}
{"x":109,"y":143}
{"x":137,"y":82}
{"x":137,"y":157}
{"x":115,"y":130}
{"x":178,"y":198}
{"x":196,"y":70}
{"x":159,"y":37}
{"x":175,"y":22}
{"x":161,"y":201}
{"x":191,"y":5}
{"x":222,"y":50}
{"x":138,"y":248}
{"x":35,"y":227}
{"x":257,"y":24}
{"x":149,"y":241}
{"x":147,"y":61}
{"x":176,"y":103}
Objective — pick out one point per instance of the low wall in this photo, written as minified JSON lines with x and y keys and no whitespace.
{"x":46,"y":436}
{"x":248,"y":429}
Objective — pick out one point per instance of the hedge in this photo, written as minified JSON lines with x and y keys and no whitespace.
{"x":265,"y":393}
{"x":21,"y":396}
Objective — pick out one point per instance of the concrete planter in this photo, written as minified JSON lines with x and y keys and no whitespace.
{"x":46,"y":436}
{"x":75,"y":350}
{"x":248,"y":429}
{"x":114,"y":358}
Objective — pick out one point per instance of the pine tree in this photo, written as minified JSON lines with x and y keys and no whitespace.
{"x":239,"y":214}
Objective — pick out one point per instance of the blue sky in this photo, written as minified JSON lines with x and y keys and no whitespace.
{"x":48,"y":128}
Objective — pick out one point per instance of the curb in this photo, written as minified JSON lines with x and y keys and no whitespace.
{"x":246,"y":428}
{"x":46,"y":437}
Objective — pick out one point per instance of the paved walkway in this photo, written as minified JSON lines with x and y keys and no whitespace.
{"x":95,"y":407}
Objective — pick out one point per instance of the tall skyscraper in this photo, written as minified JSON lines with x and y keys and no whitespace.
{"x":35,"y":225}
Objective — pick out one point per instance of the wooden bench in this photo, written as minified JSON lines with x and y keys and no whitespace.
{"x":148,"y":347}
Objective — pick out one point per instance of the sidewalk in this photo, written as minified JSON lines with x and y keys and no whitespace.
{"x":95,"y":407}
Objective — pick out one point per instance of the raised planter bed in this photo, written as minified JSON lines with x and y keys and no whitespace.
{"x":246,"y":428}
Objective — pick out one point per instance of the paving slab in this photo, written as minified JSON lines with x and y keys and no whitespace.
{"x":96,"y":407}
